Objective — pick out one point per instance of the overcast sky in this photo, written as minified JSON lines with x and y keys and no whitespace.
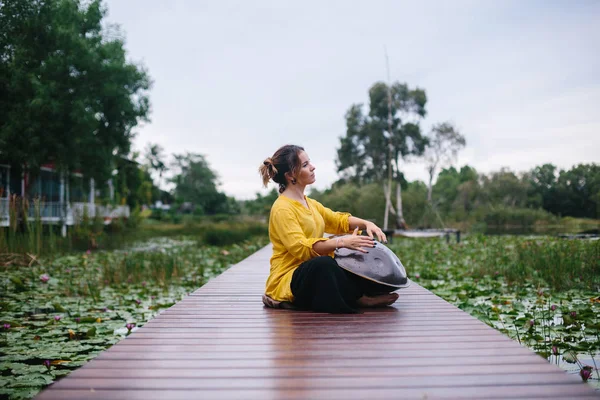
{"x":234,"y":80}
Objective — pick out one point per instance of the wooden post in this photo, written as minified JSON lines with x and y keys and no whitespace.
{"x":62,"y":206}
{"x":92,"y":211}
{"x":8,"y":182}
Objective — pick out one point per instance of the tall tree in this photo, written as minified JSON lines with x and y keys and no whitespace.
{"x":505,"y":188}
{"x":375,"y":145}
{"x":197,"y":183}
{"x":444,"y":144}
{"x":68,"y":94}
{"x":578,"y":191}
{"x":155,"y":160}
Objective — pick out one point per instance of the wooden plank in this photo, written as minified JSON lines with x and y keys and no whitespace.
{"x":561,"y":391}
{"x":315,"y":382}
{"x":126,"y":346}
{"x":297,"y":354}
{"x":220,"y":342}
{"x":456,"y":362}
{"x":352,"y":370}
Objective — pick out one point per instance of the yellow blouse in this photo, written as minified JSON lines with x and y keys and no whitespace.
{"x":293,"y":230}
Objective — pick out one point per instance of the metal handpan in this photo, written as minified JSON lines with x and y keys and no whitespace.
{"x":380,"y":267}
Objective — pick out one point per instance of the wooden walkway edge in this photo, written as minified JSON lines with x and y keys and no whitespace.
{"x":221,"y":343}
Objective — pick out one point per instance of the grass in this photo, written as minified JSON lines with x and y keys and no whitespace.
{"x":26,"y":238}
{"x":559,"y":264}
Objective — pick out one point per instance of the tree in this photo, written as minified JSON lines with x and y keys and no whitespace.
{"x":261,"y":205}
{"x":446,"y":188}
{"x":375,"y":144}
{"x":68,"y":94}
{"x":444,"y":144}
{"x":132,"y":182}
{"x":578,"y":191}
{"x":196,"y":182}
{"x":155,"y":160}
{"x":506,"y":189}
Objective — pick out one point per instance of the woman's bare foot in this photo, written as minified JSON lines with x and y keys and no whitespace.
{"x":377,"y":301}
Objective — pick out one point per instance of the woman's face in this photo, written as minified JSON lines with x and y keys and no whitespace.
{"x":306,"y":174}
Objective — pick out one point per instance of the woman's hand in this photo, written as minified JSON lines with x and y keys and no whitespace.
{"x":356,"y":242}
{"x":371,"y":229}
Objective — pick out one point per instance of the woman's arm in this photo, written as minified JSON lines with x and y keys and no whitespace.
{"x":354,"y":242}
{"x":369,"y":226}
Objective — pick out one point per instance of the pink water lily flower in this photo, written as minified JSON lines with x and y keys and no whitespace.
{"x":585,"y":373}
{"x":44,"y":278}
{"x":57,"y":318}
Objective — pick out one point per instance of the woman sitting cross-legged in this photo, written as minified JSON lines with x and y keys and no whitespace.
{"x":303,"y":270}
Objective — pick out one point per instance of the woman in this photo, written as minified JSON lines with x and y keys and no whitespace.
{"x":303,"y":271}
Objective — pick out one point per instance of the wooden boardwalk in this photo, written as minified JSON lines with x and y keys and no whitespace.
{"x":221,"y":343}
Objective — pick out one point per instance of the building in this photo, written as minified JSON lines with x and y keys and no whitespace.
{"x":62,"y":201}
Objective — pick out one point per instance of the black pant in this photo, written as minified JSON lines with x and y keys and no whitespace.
{"x":320,"y":284}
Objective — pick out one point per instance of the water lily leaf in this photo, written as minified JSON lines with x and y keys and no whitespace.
{"x":569,"y":357}
{"x":59,"y":308}
{"x":87,"y":320}
{"x":567,"y":319}
{"x":20,"y":393}
{"x":91,"y":332}
{"x":19,"y":285}
{"x":31,"y":380}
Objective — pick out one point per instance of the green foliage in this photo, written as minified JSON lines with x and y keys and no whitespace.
{"x":574,"y":192}
{"x":95,"y":296}
{"x":363,"y":155}
{"x":515,"y":217}
{"x":133,"y":184}
{"x":226,"y":234}
{"x":196,"y":183}
{"x":261,"y":205}
{"x":463,"y":199}
{"x":443,"y":145}
{"x":22,"y":242}
{"x":542,"y":292}
{"x":366,"y":201}
{"x":560,"y":264}
{"x":69,"y":94}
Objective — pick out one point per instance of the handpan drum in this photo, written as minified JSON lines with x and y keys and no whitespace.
{"x":380,"y":267}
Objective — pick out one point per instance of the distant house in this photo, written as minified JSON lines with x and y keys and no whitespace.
{"x":62,"y":201}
